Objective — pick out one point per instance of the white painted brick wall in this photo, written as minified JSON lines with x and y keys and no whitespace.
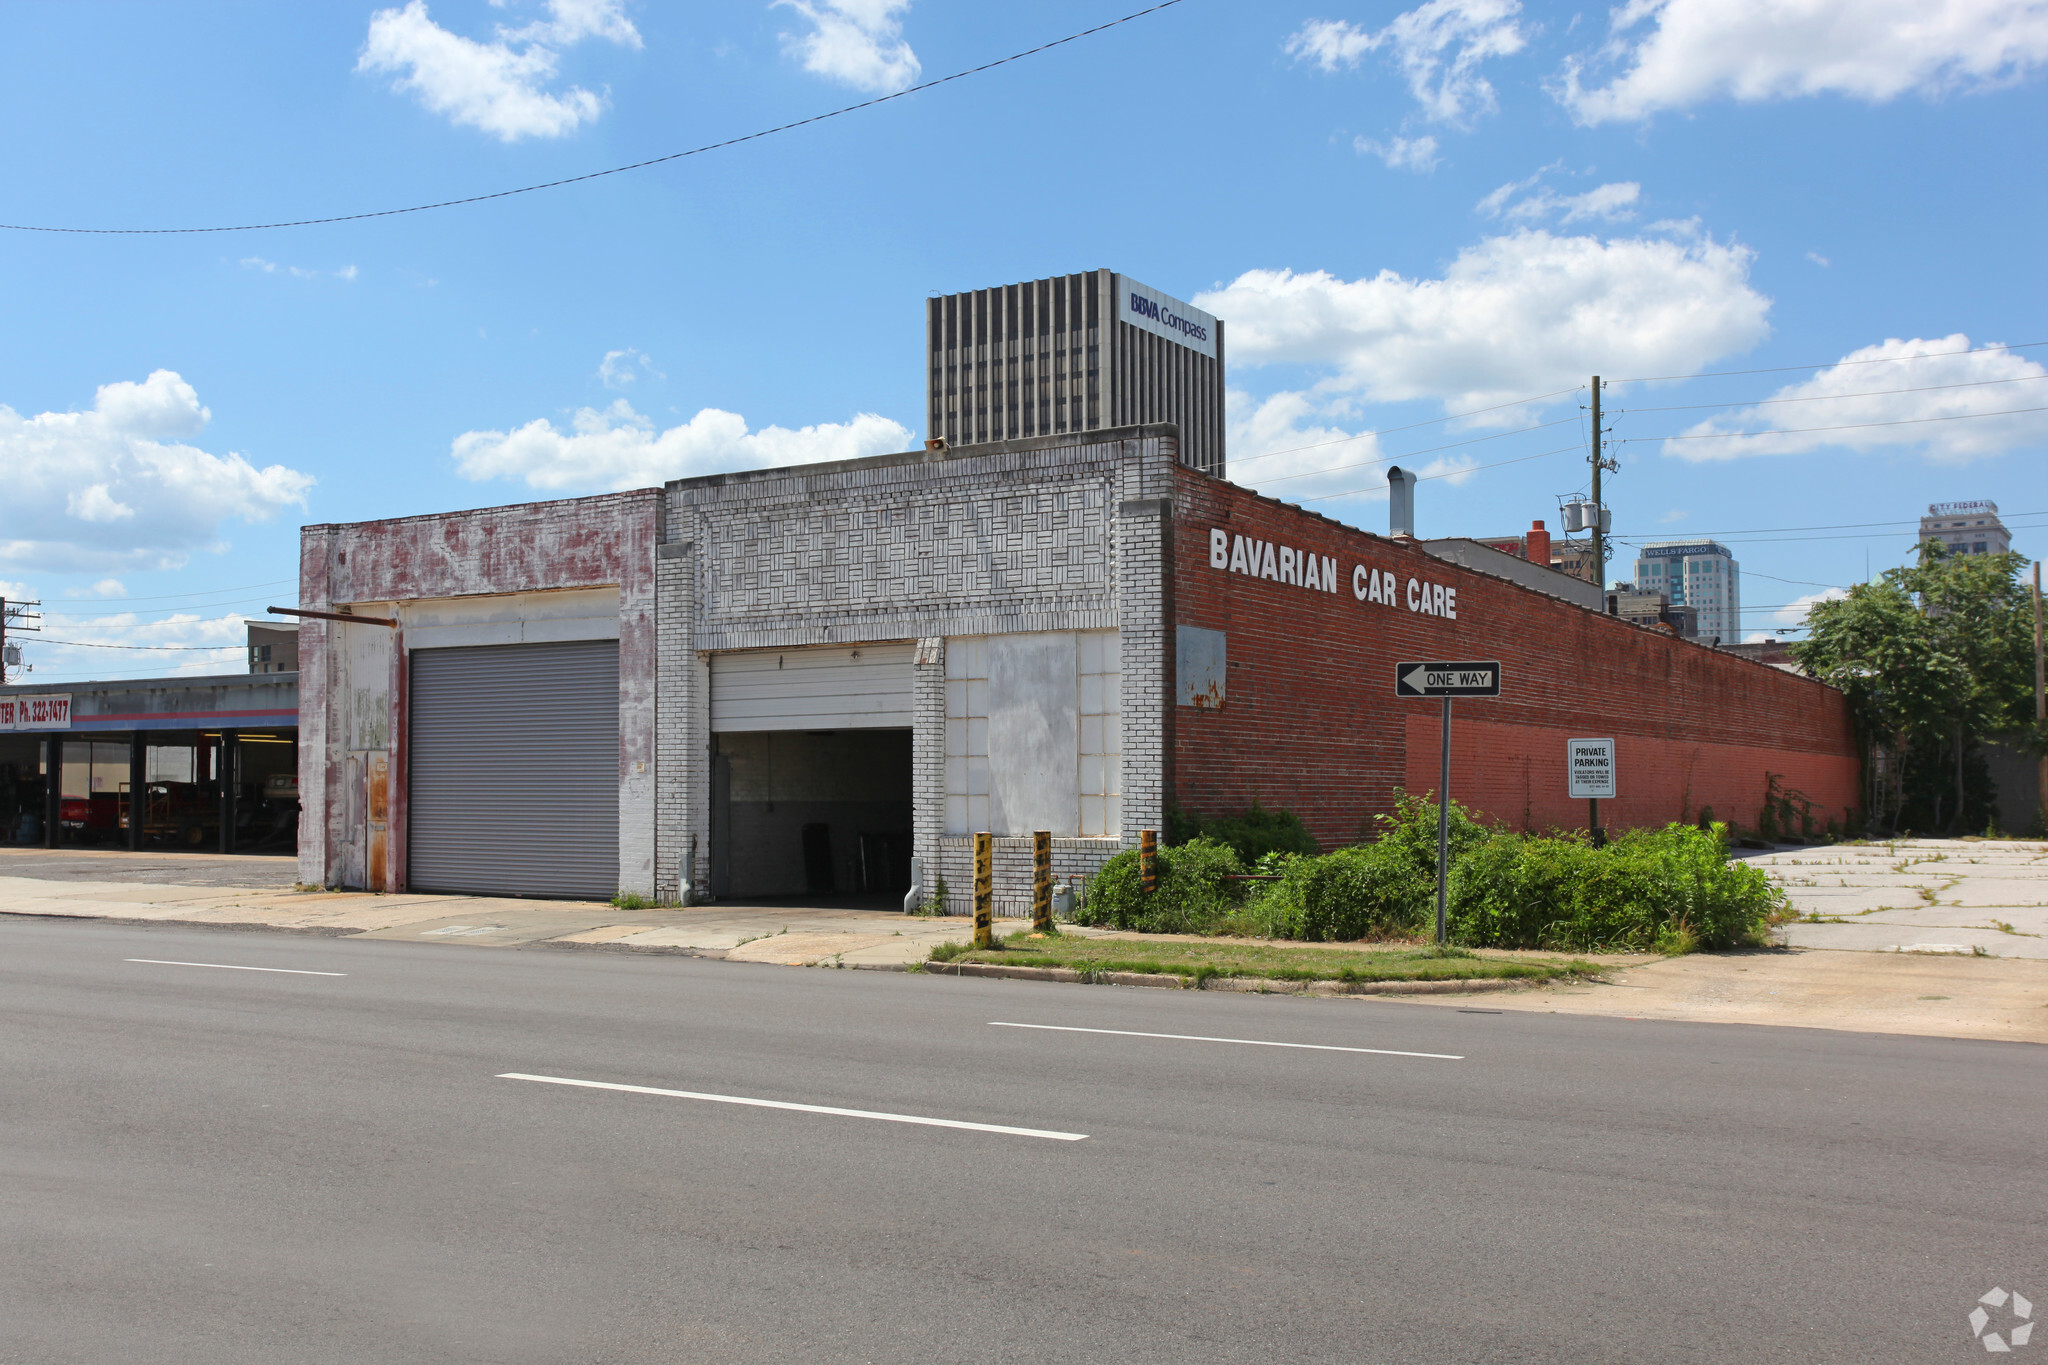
{"x":1023,"y":536}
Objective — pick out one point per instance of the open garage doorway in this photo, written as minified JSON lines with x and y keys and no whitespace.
{"x":810,"y":774}
{"x":811,"y":814}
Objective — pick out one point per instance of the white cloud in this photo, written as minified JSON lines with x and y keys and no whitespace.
{"x":106,"y":587}
{"x":115,"y":487}
{"x":620,"y":368}
{"x":1818,"y":259}
{"x":1756,"y":50}
{"x":616,"y":447}
{"x":1782,"y":621}
{"x":1855,"y":395}
{"x":1609,"y":203}
{"x":1282,"y":447}
{"x":1514,"y":315}
{"x":1401,"y":153}
{"x":200,"y":645}
{"x":854,"y":42}
{"x":499,"y":86}
{"x":299,"y":272}
{"x":1438,"y":46}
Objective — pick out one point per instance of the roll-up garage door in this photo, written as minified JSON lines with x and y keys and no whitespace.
{"x":861,"y":687}
{"x":514,"y":759}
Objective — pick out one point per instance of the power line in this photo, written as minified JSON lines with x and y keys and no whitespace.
{"x":1782,"y":540}
{"x":1795,"y":582}
{"x":94,"y":644}
{"x":1829,"y":364}
{"x":1451,"y":473}
{"x":1830,"y":397}
{"x":191,"y":611}
{"x":616,"y":170}
{"x":1389,"y":431}
{"x":1849,"y":426}
{"x":1409,"y":455}
{"x":208,"y":592}
{"x":1838,"y":526}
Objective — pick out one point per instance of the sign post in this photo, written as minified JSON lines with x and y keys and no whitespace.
{"x":1590,"y":765}
{"x":1471,"y":678}
{"x":984,"y":891}
{"x":1041,"y":881}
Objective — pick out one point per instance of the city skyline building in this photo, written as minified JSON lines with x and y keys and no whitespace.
{"x":1073,"y":353}
{"x":1700,"y":574}
{"x":1968,"y":528}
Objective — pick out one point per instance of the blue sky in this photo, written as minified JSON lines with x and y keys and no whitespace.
{"x":1404,"y":214}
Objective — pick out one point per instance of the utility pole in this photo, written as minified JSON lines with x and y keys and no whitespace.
{"x":2040,"y":699}
{"x":18,"y":615}
{"x":1599,"y":508}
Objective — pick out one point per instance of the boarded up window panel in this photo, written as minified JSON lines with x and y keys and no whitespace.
{"x":1033,"y":734}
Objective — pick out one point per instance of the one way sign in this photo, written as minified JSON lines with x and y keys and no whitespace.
{"x":1471,"y":678}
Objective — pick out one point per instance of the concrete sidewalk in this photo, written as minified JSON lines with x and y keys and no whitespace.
{"x":219,"y":891}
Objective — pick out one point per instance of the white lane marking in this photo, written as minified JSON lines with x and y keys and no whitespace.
{"x":1245,"y":1042}
{"x":801,"y":1108}
{"x":229,"y":967}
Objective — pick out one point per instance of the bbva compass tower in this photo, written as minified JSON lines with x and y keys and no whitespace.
{"x":1074,"y":354}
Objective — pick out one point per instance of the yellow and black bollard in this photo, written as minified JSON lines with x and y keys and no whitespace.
{"x":1041,"y":881}
{"x":984,"y":891}
{"x":1148,"y":860}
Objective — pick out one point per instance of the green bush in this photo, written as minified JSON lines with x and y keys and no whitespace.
{"x":1193,"y":897}
{"x":1410,"y":830}
{"x":1252,"y":835}
{"x":1370,"y":891}
{"x":1669,"y":889}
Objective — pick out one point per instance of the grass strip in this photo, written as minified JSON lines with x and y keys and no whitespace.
{"x":1272,"y":962}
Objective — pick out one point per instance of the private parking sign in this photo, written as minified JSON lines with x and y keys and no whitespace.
{"x":1591,"y":765}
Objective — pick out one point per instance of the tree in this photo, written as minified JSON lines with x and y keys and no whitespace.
{"x":1932,"y":658}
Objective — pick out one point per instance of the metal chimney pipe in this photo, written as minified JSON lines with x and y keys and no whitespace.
{"x":1400,"y":502}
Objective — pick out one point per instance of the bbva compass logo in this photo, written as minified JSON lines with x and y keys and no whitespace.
{"x":2016,"y":1333}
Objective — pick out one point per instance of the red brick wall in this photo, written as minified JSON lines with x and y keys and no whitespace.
{"x":1310,"y":721}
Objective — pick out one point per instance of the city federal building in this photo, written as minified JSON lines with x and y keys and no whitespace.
{"x":1057,"y":615}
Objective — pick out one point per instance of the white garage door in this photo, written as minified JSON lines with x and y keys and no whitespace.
{"x":859,"y":687}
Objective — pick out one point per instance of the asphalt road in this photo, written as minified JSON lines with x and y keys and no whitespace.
{"x":210,"y":1165}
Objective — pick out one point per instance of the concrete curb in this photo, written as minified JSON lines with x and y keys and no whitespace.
{"x":644,"y":949}
{"x":1248,"y":985}
{"x":135,"y":922}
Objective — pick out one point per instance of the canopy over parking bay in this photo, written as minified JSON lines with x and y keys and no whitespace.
{"x":201,"y":763}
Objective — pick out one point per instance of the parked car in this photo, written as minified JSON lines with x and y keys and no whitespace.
{"x":90,"y":819}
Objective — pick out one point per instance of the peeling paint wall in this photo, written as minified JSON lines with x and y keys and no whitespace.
{"x":578,"y":568}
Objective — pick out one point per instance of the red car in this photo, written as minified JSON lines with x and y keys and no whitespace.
{"x":90,"y":819}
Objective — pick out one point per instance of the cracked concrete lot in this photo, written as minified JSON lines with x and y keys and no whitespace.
{"x":1969,"y":896}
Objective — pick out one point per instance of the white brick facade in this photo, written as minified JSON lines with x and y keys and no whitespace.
{"x":1052,"y":534}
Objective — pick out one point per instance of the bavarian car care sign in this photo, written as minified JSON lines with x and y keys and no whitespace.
{"x":1591,"y":765}
{"x":1473,"y":678}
